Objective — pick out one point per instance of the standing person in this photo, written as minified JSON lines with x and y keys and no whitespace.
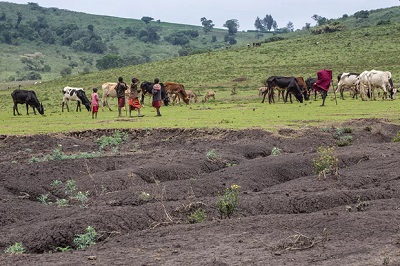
{"x":120,"y":90}
{"x":134,"y":98}
{"x":95,"y":103}
{"x":323,"y":83}
{"x":156,"y":91}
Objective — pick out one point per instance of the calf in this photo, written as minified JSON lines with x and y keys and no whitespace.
{"x":27,"y":97}
{"x":209,"y":94}
{"x":75,"y":94}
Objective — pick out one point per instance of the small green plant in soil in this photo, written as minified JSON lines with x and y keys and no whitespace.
{"x":212,"y":155}
{"x":44,"y":199}
{"x":198,"y":216}
{"x":397,"y":138}
{"x":63,"y":249}
{"x":83,"y":241}
{"x":62,"y":202}
{"x":227,"y":203}
{"x":112,"y":141}
{"x":17,"y":248}
{"x":276,"y":151}
{"x":326,"y":162}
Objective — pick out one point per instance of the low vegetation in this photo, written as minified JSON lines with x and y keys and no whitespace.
{"x":326,"y":162}
{"x":228,"y":202}
{"x":85,"y":240}
{"x":16,"y":248}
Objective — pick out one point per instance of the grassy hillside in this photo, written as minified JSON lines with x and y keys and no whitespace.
{"x":243,"y":69}
{"x":120,"y":36}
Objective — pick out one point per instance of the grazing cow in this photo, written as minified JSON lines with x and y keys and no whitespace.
{"x":381,"y":80}
{"x":209,"y":94}
{"x":147,"y":88}
{"x":75,"y":94}
{"x":177,"y":89}
{"x":108,"y":91}
{"x":348,"y":81}
{"x":363,"y":85}
{"x":190,"y":94}
{"x":261,"y":90}
{"x":28,"y":98}
{"x":309,"y":83}
{"x":290,"y":83}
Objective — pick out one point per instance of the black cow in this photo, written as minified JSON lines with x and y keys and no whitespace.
{"x":27,"y":97}
{"x":147,"y":88}
{"x":309,"y":82}
{"x":290,"y":83}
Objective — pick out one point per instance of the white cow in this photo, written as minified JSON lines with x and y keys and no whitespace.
{"x":348,"y":81}
{"x":75,"y":94}
{"x":381,"y":80}
{"x":108,"y":91}
{"x":363,"y":85}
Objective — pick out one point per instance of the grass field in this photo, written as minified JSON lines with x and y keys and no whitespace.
{"x":241,"y":111}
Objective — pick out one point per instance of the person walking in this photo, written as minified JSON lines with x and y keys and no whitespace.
{"x":156,"y":91}
{"x":95,"y":103}
{"x":134,"y":98}
{"x":120,"y":89}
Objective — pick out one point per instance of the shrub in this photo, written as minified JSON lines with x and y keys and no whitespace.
{"x":82,"y":241}
{"x":397,"y":138}
{"x":17,"y":248}
{"x":112,"y":141}
{"x":276,"y":151}
{"x":326,"y":162}
{"x":198,"y":216}
{"x":212,"y":155}
{"x":228,"y":202}
{"x":44,"y":199}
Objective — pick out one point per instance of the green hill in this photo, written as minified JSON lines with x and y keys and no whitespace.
{"x":72,"y":42}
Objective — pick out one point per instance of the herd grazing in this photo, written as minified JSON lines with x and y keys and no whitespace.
{"x":367,"y":85}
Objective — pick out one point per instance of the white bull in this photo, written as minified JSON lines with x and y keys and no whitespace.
{"x":348,"y":81}
{"x":369,"y":80}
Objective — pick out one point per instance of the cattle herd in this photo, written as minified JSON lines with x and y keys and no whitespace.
{"x":169,"y":90}
{"x":367,"y":85}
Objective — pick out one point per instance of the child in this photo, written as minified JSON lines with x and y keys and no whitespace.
{"x":157,"y":96}
{"x":120,"y":90}
{"x":95,"y":103}
{"x":134,"y":98}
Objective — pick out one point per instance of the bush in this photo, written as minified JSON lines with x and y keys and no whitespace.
{"x":198,"y":216}
{"x":326,"y":163}
{"x":112,"y":141}
{"x":228,"y":202}
{"x":83,"y":241}
{"x":17,"y":248}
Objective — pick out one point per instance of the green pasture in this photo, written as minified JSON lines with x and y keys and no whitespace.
{"x":241,"y":111}
{"x":239,"y":69}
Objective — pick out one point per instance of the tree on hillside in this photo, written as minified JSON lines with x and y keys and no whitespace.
{"x":320,"y":20}
{"x":259,"y":25}
{"x":207,"y":24}
{"x":90,"y":27}
{"x":362,"y":14}
{"x":147,"y":19}
{"x":109,"y":61}
{"x":268,"y":22}
{"x":19,"y":19}
{"x":232,"y":25}
{"x":290,"y":26}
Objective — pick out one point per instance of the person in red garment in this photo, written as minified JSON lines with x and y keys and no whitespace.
{"x":323,"y":83}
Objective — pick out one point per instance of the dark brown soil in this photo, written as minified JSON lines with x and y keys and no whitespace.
{"x":287,"y":214}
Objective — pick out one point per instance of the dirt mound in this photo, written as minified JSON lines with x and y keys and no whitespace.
{"x":139,"y":194}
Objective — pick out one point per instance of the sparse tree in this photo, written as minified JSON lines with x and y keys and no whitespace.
{"x":320,"y":20}
{"x":290,"y":26}
{"x":232,"y":25}
{"x":90,"y":27}
{"x":362,"y":14}
{"x":147,"y":19}
{"x":268,"y":22}
{"x":258,"y":24}
{"x":207,"y":24}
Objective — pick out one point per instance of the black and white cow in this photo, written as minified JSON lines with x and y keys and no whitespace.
{"x":75,"y":94}
{"x":348,"y":81}
{"x":290,"y":83}
{"x":28,"y":98}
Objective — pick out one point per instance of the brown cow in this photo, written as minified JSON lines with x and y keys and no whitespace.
{"x":108,"y":91}
{"x":191,"y":95}
{"x":209,"y":94}
{"x":177,"y":89}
